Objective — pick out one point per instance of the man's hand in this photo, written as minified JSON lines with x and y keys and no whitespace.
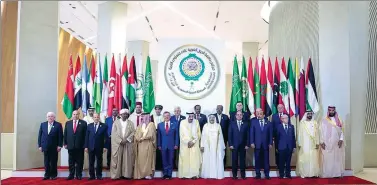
{"x":317,"y":147}
{"x":323,"y":146}
{"x":59,"y":149}
{"x":231,"y":147}
{"x":252,"y":145}
{"x":270,"y":146}
{"x":65,"y":146}
{"x":246,"y":147}
{"x":40,"y":149}
{"x":159,"y":148}
{"x":202,"y":149}
{"x":175,"y":147}
{"x":340,"y":143}
{"x":86,"y":150}
{"x":190,"y":144}
{"x":104,"y":150}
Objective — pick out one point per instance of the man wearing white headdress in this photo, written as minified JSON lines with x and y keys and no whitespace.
{"x":332,"y":145}
{"x":308,"y":147}
{"x":189,"y":154}
{"x":122,"y":147}
{"x":213,"y":150}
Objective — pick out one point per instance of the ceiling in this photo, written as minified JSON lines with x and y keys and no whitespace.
{"x":237,"y":22}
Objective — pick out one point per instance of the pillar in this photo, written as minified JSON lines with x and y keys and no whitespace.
{"x":140,"y":50}
{"x":35,"y":76}
{"x":343,"y":62}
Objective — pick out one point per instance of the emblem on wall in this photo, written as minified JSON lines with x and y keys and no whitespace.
{"x":192,"y":72}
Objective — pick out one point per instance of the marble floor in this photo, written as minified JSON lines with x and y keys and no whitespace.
{"x":369,"y":174}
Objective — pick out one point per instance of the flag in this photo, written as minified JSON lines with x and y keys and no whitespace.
{"x":132,"y":84}
{"x":302,"y":90}
{"x":92,"y":73}
{"x":124,"y":78}
{"x":236,"y":87}
{"x":269,"y":93}
{"x":311,"y":91}
{"x":283,"y":93}
{"x":256,"y":86}
{"x":105,"y":88}
{"x":263,"y":86}
{"x":297,"y":75}
{"x":78,"y":84}
{"x":84,"y":91}
{"x":97,"y":90}
{"x":245,"y":87}
{"x":250,"y":80}
{"x":291,"y":89}
{"x":148,"y":98}
{"x":68,"y":98}
{"x":110,"y":100}
{"x":276,"y":87}
{"x":118,"y":85}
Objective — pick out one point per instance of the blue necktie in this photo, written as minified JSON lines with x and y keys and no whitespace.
{"x":286,"y":129}
{"x":261,"y":124}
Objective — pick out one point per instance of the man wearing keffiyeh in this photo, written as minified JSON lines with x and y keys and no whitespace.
{"x":332,"y":145}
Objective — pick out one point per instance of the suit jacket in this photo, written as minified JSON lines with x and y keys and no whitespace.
{"x":238,"y":138}
{"x":286,"y":140}
{"x":224,"y":123}
{"x":174,"y":119}
{"x":75,"y":140}
{"x":109,"y":122}
{"x":202,"y":120}
{"x":96,"y":140}
{"x":50,"y":140}
{"x":170,"y":139}
{"x":246,"y":116}
{"x":275,"y":120}
{"x":261,"y":139}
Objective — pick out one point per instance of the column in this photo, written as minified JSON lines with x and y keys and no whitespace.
{"x":112,"y":27}
{"x":35,"y":77}
{"x":343,"y":60}
{"x":140,"y":50}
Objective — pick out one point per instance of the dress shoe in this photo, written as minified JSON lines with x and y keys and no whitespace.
{"x":289,"y":176}
{"x":244,"y":178}
{"x":53,"y":178}
{"x":235,"y":178}
{"x":79,"y":178}
{"x":268,"y":177}
{"x":46,"y":178}
{"x":99,"y":178}
{"x":69,"y":177}
{"x":281,"y":177}
{"x":91,"y":178}
{"x":257,"y":177}
{"x":169,"y":178}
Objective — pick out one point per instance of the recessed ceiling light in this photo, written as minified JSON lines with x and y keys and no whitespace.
{"x":66,"y":22}
{"x":182,"y":25}
{"x":226,"y":22}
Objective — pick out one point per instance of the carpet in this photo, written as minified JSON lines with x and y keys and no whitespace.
{"x":175,"y":181}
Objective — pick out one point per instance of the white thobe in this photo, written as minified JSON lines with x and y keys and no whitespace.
{"x":88,"y":119}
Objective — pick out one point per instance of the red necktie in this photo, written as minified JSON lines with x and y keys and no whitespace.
{"x":137,"y":121}
{"x":167,"y":128}
{"x":74,"y":126}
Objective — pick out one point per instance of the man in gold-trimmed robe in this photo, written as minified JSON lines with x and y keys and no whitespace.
{"x":122,"y":147}
{"x":145,"y":148}
{"x":308,"y":147}
{"x":189,"y":154}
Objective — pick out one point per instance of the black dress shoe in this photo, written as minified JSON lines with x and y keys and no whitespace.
{"x":79,"y":178}
{"x":244,"y":178}
{"x":235,"y":178}
{"x":53,"y":178}
{"x":99,"y":178}
{"x":268,"y":177}
{"x":289,"y":176}
{"x":281,"y":177}
{"x":46,"y":178}
{"x":257,"y":177}
{"x":69,"y":177}
{"x":91,"y":178}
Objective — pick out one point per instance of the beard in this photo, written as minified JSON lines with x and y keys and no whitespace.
{"x":309,"y":117}
{"x":331,"y":114}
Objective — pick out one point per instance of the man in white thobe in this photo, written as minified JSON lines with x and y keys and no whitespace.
{"x":332,"y":145}
{"x":308,"y":147}
{"x":213,"y":150}
{"x":89,"y":117}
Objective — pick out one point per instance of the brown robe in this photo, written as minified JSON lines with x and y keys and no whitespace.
{"x":145,"y":151}
{"x":122,"y":150}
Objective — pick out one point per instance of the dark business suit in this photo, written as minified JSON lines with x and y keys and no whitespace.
{"x":75,"y":144}
{"x":238,"y":139}
{"x":286,"y":142}
{"x":176,"y":153}
{"x":246,"y":116}
{"x":167,"y":141}
{"x":275,"y":120}
{"x":261,"y":137}
{"x":95,"y":142}
{"x":202,"y":119}
{"x":49,"y":142}
{"x":224,"y":123}
{"x":109,"y":122}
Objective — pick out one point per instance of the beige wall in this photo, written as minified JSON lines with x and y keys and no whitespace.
{"x":7,"y":150}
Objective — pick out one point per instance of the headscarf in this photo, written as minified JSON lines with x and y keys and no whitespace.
{"x":211,"y":117}
{"x":304,"y":117}
{"x":336,"y":116}
{"x":145,"y":118}
{"x":124,"y":111}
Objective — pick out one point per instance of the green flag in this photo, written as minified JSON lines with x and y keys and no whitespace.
{"x":148,"y":98}
{"x":236,"y":87}
{"x":257,"y":86}
{"x":245,"y":86}
{"x":97,"y":89}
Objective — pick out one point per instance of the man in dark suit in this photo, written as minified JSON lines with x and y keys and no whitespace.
{"x":109,"y":122}
{"x":246,"y":115}
{"x":167,"y":142}
{"x":224,"y":121}
{"x":177,"y":117}
{"x":238,"y":142}
{"x":96,"y":136}
{"x":50,"y":142}
{"x":74,"y":140}
{"x":261,"y":141}
{"x":202,"y":119}
{"x":286,"y":141}
{"x":275,"y":120}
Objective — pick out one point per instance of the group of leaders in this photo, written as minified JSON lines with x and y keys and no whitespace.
{"x":139,"y":144}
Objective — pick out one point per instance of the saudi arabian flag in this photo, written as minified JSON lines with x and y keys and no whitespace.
{"x":97,"y":89}
{"x":236,"y":87}
{"x":245,"y":87}
{"x":148,"y":98}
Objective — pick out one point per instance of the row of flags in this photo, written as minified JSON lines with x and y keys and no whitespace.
{"x":105,"y":89}
{"x":288,"y":85}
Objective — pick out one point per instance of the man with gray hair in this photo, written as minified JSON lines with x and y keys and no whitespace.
{"x":50,"y":142}
{"x":286,"y":141}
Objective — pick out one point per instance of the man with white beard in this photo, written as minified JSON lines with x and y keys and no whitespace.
{"x":213,"y":149}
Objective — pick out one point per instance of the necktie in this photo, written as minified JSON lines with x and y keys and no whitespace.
{"x":261,"y":124}
{"x":177,"y":117}
{"x":167,"y":128}
{"x":286,"y":128}
{"x":74,"y":126}
{"x":279,"y":115}
{"x":95,"y":127}
{"x":239,"y":125}
{"x":49,"y":127}
{"x":137,"y":120}
{"x":197,"y":116}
